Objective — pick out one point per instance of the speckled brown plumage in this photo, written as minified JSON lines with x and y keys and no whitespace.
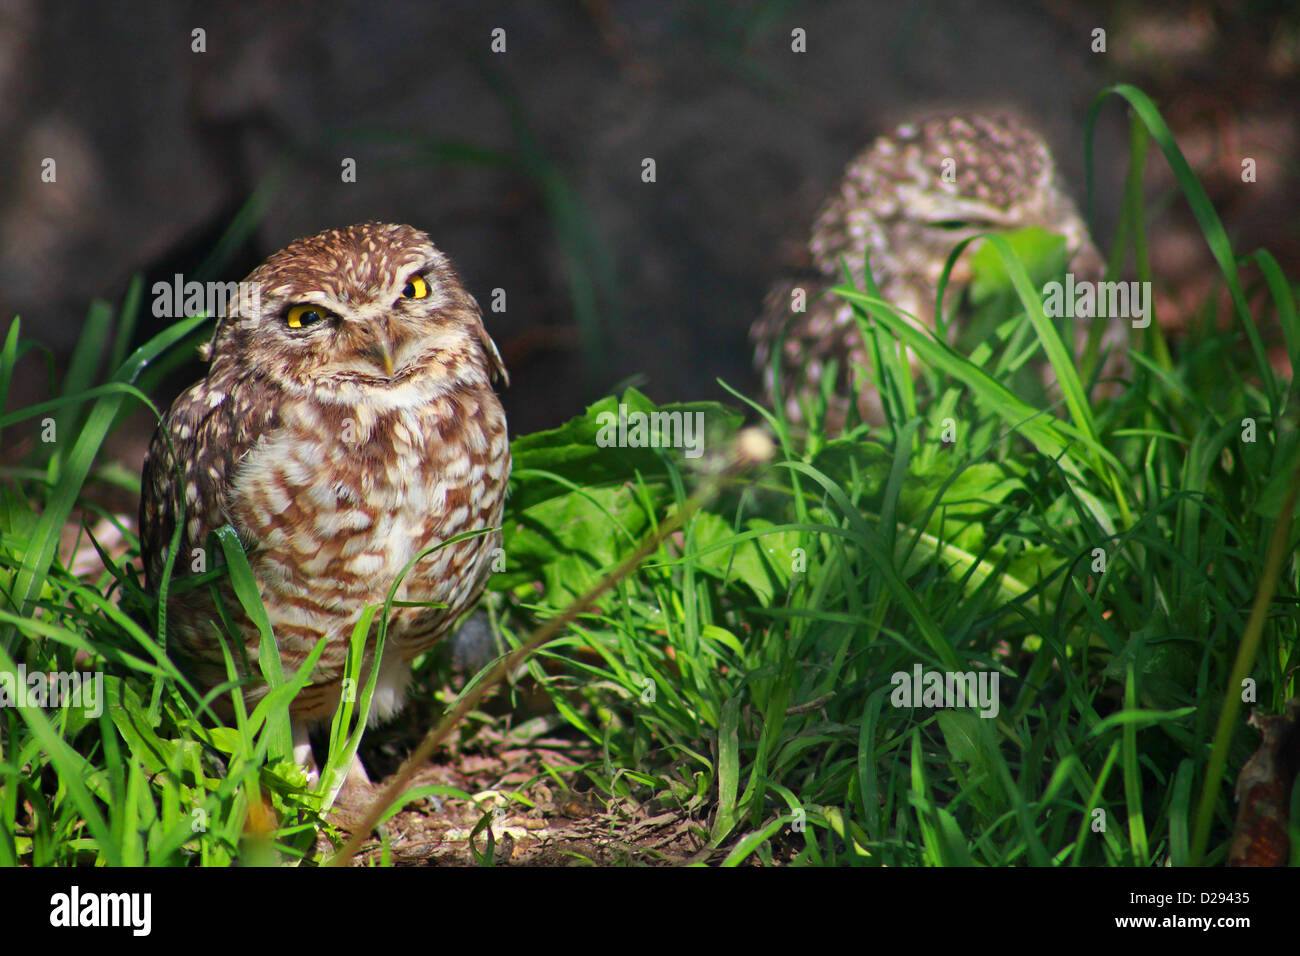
{"x":908,"y":199}
{"x":338,"y":451}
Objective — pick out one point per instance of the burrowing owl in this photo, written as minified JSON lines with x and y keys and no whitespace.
{"x":347,"y":423}
{"x":908,"y":199}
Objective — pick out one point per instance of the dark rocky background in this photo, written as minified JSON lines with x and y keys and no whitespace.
{"x":525,"y":166}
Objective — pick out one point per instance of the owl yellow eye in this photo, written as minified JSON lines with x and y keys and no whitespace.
{"x":415,"y":288}
{"x":301,"y":316}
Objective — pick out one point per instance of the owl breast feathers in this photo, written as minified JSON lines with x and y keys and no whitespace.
{"x":346,"y":425}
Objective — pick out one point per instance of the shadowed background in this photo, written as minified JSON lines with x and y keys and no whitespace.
{"x":525,"y":166}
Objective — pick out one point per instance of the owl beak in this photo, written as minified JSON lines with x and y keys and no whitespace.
{"x":382,"y":353}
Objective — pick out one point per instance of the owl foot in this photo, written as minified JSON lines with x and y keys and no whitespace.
{"x":302,"y":754}
{"x":356,"y":777}
{"x":354,"y":798}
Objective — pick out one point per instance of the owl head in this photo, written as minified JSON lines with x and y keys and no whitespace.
{"x":937,"y":182}
{"x":373,"y":309}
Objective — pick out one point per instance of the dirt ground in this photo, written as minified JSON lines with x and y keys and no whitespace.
{"x":535,"y":807}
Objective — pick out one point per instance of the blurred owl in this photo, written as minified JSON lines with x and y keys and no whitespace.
{"x":908,"y":199}
{"x":346,"y":425}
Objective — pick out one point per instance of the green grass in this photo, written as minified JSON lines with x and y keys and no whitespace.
{"x":1121,"y":564}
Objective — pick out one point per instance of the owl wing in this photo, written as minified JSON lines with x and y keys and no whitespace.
{"x":496,"y":367}
{"x":211,"y":428}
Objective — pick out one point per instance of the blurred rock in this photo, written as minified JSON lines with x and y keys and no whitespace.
{"x":158,"y":146}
